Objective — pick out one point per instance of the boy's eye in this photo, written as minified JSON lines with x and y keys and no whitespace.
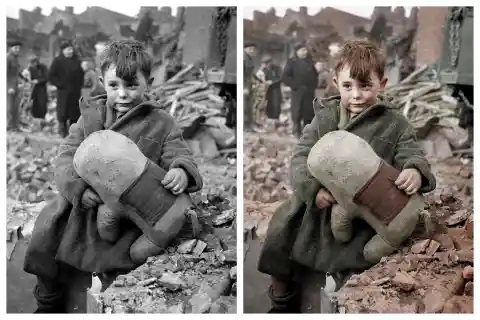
{"x":112,"y":84}
{"x":346,"y":85}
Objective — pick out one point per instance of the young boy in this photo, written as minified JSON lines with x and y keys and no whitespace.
{"x":299,"y":234}
{"x":125,"y":71}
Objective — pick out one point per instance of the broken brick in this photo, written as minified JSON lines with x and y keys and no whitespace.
{"x":403,"y":281}
{"x":420,"y":246}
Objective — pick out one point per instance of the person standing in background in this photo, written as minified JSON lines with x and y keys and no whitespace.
{"x":13,"y":74}
{"x":323,"y":79}
{"x":250,"y":51}
{"x":90,"y":79}
{"x":38,"y":79}
{"x":66,"y":74}
{"x":271,"y":74}
{"x":301,"y":76}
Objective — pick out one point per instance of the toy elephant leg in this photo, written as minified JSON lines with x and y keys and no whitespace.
{"x":341,"y":224}
{"x":397,"y":231}
{"x":108,"y":223}
{"x":165,"y":230}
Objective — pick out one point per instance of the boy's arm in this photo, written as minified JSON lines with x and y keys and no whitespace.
{"x":176,"y":154}
{"x":69,"y":184}
{"x":304,"y":185}
{"x":409,"y":154}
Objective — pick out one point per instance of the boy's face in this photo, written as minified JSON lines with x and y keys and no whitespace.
{"x":357,"y":95}
{"x":123,"y":95}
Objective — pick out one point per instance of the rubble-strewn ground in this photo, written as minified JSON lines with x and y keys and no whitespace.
{"x":191,"y":276}
{"x":427,"y":275}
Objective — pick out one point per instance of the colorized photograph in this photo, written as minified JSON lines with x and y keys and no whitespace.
{"x":358,"y":160}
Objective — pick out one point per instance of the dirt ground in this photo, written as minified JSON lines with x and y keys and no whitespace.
{"x":432,"y":275}
{"x":194,"y":275}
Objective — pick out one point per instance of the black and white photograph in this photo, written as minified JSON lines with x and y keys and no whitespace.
{"x":121,"y":159}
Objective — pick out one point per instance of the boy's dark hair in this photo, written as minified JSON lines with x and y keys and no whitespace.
{"x":362,"y":57}
{"x":128,"y":56}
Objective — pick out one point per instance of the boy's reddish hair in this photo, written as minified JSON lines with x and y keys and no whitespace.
{"x":362,"y":57}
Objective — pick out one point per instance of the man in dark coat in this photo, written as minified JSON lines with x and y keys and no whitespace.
{"x":66,"y":74}
{"x":302,"y":77}
{"x":38,"y":78}
{"x":272,"y":74}
{"x":250,"y":50}
{"x":13,"y":74}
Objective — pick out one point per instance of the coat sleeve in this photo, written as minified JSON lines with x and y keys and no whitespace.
{"x":80,"y":76}
{"x":409,"y":154}
{"x":304,"y":185}
{"x":69,"y":184}
{"x":287,"y":75}
{"x":53,"y":75}
{"x":42,"y":75}
{"x":176,"y":154}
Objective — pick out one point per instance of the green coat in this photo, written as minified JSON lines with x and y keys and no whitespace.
{"x":299,"y":232}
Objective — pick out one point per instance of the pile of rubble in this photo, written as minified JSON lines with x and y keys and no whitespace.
{"x":432,"y":111}
{"x":265,"y":172}
{"x":433,"y":275}
{"x":192,"y":276}
{"x":198,"y":110}
{"x":47,"y":126}
{"x":29,"y":168}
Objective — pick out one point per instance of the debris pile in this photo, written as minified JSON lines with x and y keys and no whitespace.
{"x":428,"y":275}
{"x":192,"y":276}
{"x":199,"y":110}
{"x":30,"y":168}
{"x":432,"y":111}
{"x":266,"y":167}
{"x":205,"y":265}
{"x":47,"y":126}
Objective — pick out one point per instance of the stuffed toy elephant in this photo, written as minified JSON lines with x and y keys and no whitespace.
{"x":363,"y":186}
{"x":130,"y":187}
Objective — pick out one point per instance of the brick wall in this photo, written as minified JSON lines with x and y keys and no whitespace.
{"x":429,"y":36}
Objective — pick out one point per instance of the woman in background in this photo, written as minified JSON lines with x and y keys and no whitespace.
{"x":38,"y":78}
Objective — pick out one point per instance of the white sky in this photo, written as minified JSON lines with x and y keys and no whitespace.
{"x":131,"y":10}
{"x":364,"y":11}
{"x":126,"y":8}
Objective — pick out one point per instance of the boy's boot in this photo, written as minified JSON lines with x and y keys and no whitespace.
{"x":50,"y":296}
{"x":284,"y":303}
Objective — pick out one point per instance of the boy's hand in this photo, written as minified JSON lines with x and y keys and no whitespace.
{"x":324,"y":199}
{"x":90,"y":199}
{"x":409,"y":180}
{"x":175,"y":180}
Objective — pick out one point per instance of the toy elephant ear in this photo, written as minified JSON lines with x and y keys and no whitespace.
{"x":341,"y":158}
{"x":109,"y":162}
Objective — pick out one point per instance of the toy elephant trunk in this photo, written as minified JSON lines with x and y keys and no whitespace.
{"x":364,"y":187}
{"x":130,"y":186}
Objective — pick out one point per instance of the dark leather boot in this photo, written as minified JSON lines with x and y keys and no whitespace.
{"x":288,"y":303}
